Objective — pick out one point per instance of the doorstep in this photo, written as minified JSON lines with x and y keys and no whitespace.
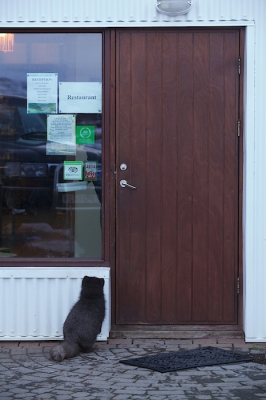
{"x":176,"y":332}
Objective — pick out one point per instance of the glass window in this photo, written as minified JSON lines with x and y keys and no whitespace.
{"x":51,"y":146}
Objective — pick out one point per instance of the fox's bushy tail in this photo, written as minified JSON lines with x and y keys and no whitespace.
{"x":64,"y":350}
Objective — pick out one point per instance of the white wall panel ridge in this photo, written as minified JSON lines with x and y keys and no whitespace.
{"x":98,"y":13}
{"x":36,"y":301}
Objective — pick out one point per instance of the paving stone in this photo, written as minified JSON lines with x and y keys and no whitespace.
{"x":257,"y":351}
{"x":205,"y":342}
{"x":18,"y":391}
{"x":116,"y":342}
{"x":4,"y":394}
{"x":242,"y":350}
{"x":30,"y":373}
{"x":18,"y":349}
{"x":178,"y":341}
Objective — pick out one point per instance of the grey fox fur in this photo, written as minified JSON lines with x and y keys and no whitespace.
{"x":83,"y":322}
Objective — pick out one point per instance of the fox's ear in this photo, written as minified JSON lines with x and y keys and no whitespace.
{"x":85,"y":279}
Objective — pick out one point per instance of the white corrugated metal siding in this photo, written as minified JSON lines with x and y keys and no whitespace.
{"x":119,"y":12}
{"x":255,"y":194}
{"x":36,"y":301}
{"x":252,"y":14}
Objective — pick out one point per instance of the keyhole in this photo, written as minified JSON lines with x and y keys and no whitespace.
{"x":123,"y":167}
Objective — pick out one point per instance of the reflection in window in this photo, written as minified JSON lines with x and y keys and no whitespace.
{"x":43,"y":213}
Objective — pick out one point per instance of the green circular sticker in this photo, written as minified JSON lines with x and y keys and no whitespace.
{"x":85,"y":132}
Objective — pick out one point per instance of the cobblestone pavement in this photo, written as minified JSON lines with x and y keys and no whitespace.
{"x":26,"y":372}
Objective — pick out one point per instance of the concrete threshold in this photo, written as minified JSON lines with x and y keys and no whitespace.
{"x":176,"y":332}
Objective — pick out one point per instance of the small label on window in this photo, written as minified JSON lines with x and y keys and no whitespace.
{"x":73,"y":170}
{"x":85,"y":134}
{"x":90,"y":171}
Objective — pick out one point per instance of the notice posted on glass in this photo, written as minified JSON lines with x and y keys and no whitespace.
{"x":61,"y":135}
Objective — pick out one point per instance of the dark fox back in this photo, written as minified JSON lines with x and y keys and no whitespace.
{"x":84,"y":320}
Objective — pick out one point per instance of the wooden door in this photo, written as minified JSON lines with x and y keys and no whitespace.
{"x":177,"y":104}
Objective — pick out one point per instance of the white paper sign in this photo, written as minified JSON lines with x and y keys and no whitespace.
{"x":80,"y":97}
{"x":42,"y":93}
{"x":61,"y":134}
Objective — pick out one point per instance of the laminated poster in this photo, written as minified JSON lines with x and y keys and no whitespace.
{"x":42,"y":93}
{"x":61,"y":135}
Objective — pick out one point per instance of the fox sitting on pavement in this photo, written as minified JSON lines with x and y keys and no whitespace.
{"x":84,"y":321}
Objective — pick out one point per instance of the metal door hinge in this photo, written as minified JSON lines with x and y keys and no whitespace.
{"x":238,"y":286}
{"x":239,"y":65}
{"x":238,"y":128}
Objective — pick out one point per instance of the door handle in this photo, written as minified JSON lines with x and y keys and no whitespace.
{"x":123,"y":183}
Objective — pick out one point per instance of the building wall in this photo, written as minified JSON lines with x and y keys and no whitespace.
{"x":121,"y":12}
{"x":251,"y":14}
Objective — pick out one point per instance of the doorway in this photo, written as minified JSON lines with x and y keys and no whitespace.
{"x":177,"y":223}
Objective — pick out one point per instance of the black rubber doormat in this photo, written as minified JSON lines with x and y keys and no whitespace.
{"x":185,"y":359}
